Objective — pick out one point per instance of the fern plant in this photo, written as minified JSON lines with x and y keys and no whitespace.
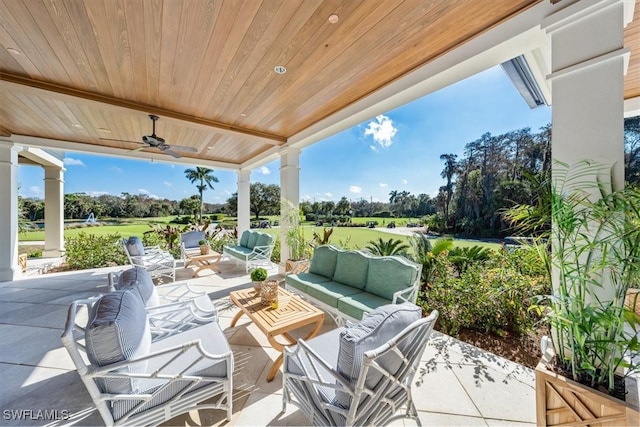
{"x":389,"y":247}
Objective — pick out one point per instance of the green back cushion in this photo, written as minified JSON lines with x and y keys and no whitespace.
{"x":388,"y":275}
{"x":244,"y":239}
{"x":264,"y":239}
{"x":324,"y":261}
{"x":253,"y":238}
{"x":351,"y":269}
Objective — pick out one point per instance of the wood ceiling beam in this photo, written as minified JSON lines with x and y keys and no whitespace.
{"x":104,"y":100}
{"x":5,"y":132}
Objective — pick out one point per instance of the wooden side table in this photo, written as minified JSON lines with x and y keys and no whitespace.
{"x":277,"y":323}
{"x":202,"y":262}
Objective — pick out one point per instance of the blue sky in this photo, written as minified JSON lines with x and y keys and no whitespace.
{"x":399,"y":150}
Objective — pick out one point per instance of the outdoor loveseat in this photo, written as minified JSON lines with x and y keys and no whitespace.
{"x":348,"y":284}
{"x":253,"y":248}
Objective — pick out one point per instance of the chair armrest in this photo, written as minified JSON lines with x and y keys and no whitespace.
{"x":170,"y":319}
{"x":260,"y":251}
{"x":176,"y":292}
{"x":409,"y":294}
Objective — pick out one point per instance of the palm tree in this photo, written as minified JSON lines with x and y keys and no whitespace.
{"x":387,"y":247}
{"x":204,"y":178}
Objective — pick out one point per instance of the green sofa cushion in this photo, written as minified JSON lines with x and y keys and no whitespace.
{"x":389,"y":275}
{"x":351,"y":269}
{"x":330,"y":292}
{"x":358,"y":304}
{"x":324,"y":261}
{"x":302,"y":280}
{"x":239,"y":252}
{"x":264,"y":239}
{"x":253,"y":238}
{"x":244,"y":239}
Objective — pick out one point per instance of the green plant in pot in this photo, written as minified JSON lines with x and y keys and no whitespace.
{"x":204,"y":246}
{"x":594,"y":259}
{"x":258,"y":275}
{"x":299,"y":248}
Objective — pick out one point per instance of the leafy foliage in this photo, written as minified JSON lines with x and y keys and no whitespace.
{"x":204,"y":178}
{"x":91,"y":251}
{"x":324,"y":239}
{"x":426,"y":254}
{"x":461,"y":258}
{"x":389,"y":247}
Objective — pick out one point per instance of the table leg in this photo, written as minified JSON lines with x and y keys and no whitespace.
{"x":278,"y":346}
{"x":236,"y":317}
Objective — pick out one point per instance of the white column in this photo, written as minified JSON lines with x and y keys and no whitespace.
{"x":244,"y":211}
{"x":9,"y":269}
{"x":289,"y":190}
{"x":588,"y":63}
{"x":53,"y":211}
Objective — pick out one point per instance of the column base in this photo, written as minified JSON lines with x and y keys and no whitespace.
{"x":10,"y":274}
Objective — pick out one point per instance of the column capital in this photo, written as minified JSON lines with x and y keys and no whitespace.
{"x":580,"y":10}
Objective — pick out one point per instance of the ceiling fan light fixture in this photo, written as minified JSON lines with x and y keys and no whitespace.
{"x":280,"y":69}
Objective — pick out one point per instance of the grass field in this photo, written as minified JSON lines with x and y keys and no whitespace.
{"x":353,"y":237}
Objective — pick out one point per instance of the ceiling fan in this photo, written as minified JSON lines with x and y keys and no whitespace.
{"x":154,"y":141}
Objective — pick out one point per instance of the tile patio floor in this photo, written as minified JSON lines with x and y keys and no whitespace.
{"x":457,"y":384}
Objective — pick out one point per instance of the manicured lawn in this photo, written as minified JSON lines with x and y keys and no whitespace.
{"x":352,"y":237}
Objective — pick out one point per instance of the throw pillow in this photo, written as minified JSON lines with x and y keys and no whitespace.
{"x":139,"y":281}
{"x":134,"y":246}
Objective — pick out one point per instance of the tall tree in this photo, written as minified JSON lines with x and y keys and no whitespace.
{"x":204,"y":178}
{"x":449,"y":171}
{"x":264,"y":198}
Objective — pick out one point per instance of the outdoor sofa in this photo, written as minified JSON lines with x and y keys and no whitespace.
{"x":348,"y":284}
{"x":253,"y":248}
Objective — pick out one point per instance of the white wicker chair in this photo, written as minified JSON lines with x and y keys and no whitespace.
{"x":189,"y":243}
{"x":156,"y":261}
{"x":185,"y":366}
{"x":312,"y":382}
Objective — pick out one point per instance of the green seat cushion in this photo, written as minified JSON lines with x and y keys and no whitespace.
{"x":237,"y":251}
{"x":351,"y":269}
{"x":388,"y":275}
{"x":302,"y":280}
{"x":358,"y":304}
{"x":330,"y":292}
{"x":264,"y":239}
{"x":253,"y":238}
{"x":244,"y":239}
{"x":324,"y":261}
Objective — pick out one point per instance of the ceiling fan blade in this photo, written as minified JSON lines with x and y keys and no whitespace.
{"x":171,"y":153}
{"x":183,"y":148}
{"x":121,"y":140}
{"x":138,"y":149}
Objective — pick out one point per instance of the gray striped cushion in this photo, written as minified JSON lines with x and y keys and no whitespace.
{"x":139,"y":280}
{"x":375,"y":329}
{"x":118,"y":330}
{"x":134,"y":246}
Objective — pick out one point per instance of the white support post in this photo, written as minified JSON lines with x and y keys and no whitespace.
{"x":289,"y":191}
{"x":9,"y":269}
{"x":588,"y":63}
{"x":244,"y":211}
{"x":53,"y":211}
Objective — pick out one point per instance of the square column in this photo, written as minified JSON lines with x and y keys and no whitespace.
{"x":588,"y":63}
{"x":9,"y":269}
{"x":244,"y":211}
{"x":289,"y":192}
{"x":53,"y":211}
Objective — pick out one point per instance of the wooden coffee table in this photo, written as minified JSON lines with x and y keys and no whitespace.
{"x":292,"y":313}
{"x":209,"y":261}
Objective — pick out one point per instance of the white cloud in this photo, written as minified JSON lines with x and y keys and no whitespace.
{"x":405,"y":182}
{"x":227,"y":192}
{"x":355,"y":189}
{"x":383,"y":185}
{"x":70,"y":161}
{"x":148,"y":193}
{"x":35,"y":190}
{"x":97,"y":193}
{"x":168,"y":184}
{"x":116,"y":169}
{"x":382,"y":131}
{"x":328,"y":195}
{"x":265,"y":170}
{"x":307,"y":198}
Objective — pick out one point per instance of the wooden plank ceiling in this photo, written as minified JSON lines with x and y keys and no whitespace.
{"x":91,"y":71}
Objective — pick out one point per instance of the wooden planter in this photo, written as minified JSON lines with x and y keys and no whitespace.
{"x":204,"y":249}
{"x":561,"y":401}
{"x":296,"y":267}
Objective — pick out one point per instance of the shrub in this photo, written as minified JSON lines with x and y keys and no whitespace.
{"x":258,"y":274}
{"x":491,"y":296}
{"x":91,"y":251}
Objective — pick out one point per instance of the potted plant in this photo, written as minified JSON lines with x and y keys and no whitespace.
{"x":258,"y":275}
{"x":594,"y":258}
{"x":204,"y":246}
{"x":299,"y":249}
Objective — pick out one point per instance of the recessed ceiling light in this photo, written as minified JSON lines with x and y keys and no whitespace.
{"x":243,"y":114}
{"x":280,"y":69}
{"x":103,"y":130}
{"x":77,"y":126}
{"x":333,"y":18}
{"x":14,"y":51}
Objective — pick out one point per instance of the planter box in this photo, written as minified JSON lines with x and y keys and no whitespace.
{"x":561,"y":401}
{"x":296,"y":267}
